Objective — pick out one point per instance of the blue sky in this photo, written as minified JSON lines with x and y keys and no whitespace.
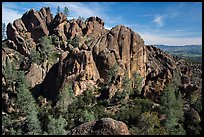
{"x":171,"y":23}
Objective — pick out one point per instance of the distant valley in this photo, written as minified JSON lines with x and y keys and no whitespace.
{"x":192,"y":52}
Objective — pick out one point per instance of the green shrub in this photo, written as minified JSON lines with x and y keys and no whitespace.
{"x":56,"y":126}
{"x":172,"y":107}
{"x":27,"y":107}
{"x":137,"y":79}
{"x":65,"y":97}
{"x":112,"y":72}
{"x":149,"y":124}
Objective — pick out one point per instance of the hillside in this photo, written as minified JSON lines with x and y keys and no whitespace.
{"x":74,"y":77}
{"x":191,"y":52}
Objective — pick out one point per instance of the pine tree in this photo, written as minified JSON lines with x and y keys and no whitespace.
{"x":172,"y":107}
{"x":149,"y":124}
{"x":58,"y":9}
{"x":56,"y":126}
{"x":66,"y":11}
{"x":112,"y":72}
{"x":27,"y":107}
{"x":10,"y":74}
{"x":81,"y":18}
{"x":65,"y":97}
{"x":3,"y":31}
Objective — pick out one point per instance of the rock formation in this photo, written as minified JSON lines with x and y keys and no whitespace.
{"x":97,"y":52}
{"x":159,"y":71}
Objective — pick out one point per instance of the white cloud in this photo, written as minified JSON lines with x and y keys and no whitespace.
{"x":151,"y":39}
{"x":179,"y":30}
{"x":74,"y":8}
{"x":77,"y":8}
{"x":9,"y":15}
{"x":108,"y":27}
{"x":159,"y":21}
{"x":100,"y":9}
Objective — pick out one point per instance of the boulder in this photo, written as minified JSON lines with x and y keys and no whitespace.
{"x":104,"y":126}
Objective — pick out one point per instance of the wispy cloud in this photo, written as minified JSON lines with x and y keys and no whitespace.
{"x":158,"y":39}
{"x":108,"y":27}
{"x":9,"y":15}
{"x":87,"y":10}
{"x":159,"y":20}
{"x":179,"y":30}
{"x":76,"y":9}
{"x":148,"y":15}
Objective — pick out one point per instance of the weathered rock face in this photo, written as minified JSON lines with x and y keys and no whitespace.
{"x":105,"y":126}
{"x":36,"y":22}
{"x":191,"y":80}
{"x":91,"y":62}
{"x":37,"y":73}
{"x":93,"y":27}
{"x":57,"y":26}
{"x":122,"y":46}
{"x":17,"y":36}
{"x":159,"y":71}
{"x":26,"y":31}
{"x":74,"y":65}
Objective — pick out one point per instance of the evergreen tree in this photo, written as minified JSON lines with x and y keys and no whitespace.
{"x":56,"y":126}
{"x":149,"y":124}
{"x":172,"y":107}
{"x":88,"y":116}
{"x":65,"y":97}
{"x":112,"y":72}
{"x":66,"y":11}
{"x":27,"y":107}
{"x":75,"y":41}
{"x":137,"y":79}
{"x":10,"y":74}
{"x":81,"y":18}
{"x":3,"y":31}
{"x":58,"y":9}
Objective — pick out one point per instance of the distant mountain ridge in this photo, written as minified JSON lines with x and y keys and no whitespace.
{"x":186,"y":49}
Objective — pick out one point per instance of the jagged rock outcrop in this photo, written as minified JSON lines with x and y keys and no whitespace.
{"x":104,"y":126}
{"x":57,"y":26}
{"x":36,"y":73}
{"x":159,"y":71}
{"x":98,"y":51}
{"x":36,"y":22}
{"x":191,"y":80}
{"x":27,"y":30}
{"x":87,"y":65}
{"x":123,"y":46}
{"x":74,"y":65}
{"x":18,"y":38}
{"x":93,"y":27}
